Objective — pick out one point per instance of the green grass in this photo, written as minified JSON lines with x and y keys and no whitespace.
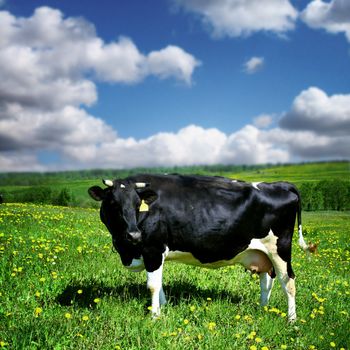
{"x":62,"y":287}
{"x":298,"y":173}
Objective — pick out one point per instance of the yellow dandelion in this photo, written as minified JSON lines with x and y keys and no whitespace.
{"x":186,"y":321}
{"x":85,"y":318}
{"x":42,"y":279}
{"x":252,"y":335}
{"x":38,"y":311}
{"x":237,"y":317}
{"x":211,"y":326}
{"x":264,"y":348}
{"x":67,"y":315}
{"x":97,"y":300}
{"x":258,"y":340}
{"x":253,"y":347}
{"x":200,"y":336}
{"x":192,"y":308}
{"x":80,"y":291}
{"x":332,"y":344}
{"x":37,"y":294}
{"x":283,"y":346}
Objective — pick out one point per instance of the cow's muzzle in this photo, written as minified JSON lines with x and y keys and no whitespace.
{"x":134,"y":237}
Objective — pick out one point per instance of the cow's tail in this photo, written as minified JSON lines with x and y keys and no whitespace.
{"x":301,"y":241}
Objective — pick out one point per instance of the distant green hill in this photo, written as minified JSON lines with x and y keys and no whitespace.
{"x":70,"y":188}
{"x":298,"y":173}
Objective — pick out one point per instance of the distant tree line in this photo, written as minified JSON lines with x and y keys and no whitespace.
{"x":37,"y":179}
{"x":325,"y":195}
{"x":41,"y":195}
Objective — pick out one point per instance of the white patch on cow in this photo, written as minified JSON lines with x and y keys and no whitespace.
{"x":302,"y":243}
{"x":252,"y":259}
{"x":266,"y":284}
{"x":234,"y":181}
{"x":122,"y":186}
{"x":255,"y":185}
{"x":154,"y":284}
{"x":136,"y":265}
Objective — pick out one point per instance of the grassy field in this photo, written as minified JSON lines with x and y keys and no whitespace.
{"x":298,"y":173}
{"x":62,"y":287}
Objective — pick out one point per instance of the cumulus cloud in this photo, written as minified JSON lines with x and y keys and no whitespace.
{"x":263,"y":121}
{"x":317,"y":126}
{"x":333,"y":16}
{"x":171,"y":61}
{"x":314,"y":110}
{"x":236,"y":18}
{"x":48,"y":68}
{"x":253,"y":65}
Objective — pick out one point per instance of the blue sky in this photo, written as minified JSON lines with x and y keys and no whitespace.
{"x":91,"y":84}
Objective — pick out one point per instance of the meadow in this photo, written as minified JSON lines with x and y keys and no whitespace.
{"x":62,"y":287}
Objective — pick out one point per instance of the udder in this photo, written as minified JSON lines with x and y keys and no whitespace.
{"x":254,"y":260}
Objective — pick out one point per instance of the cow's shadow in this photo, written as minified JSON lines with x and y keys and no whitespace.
{"x":86,"y":294}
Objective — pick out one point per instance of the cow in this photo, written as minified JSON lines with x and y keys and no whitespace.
{"x":204,"y":221}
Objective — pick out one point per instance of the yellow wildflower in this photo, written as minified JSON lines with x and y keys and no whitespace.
{"x":38,"y":311}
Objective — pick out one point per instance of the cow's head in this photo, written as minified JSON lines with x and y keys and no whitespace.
{"x":121,"y":202}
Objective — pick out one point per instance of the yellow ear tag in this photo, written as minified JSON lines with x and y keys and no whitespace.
{"x":143,"y":206}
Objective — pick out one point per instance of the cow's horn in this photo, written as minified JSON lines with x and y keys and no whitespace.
{"x":108,"y":183}
{"x":140,"y":184}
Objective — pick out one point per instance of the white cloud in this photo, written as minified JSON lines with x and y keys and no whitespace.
{"x":333,"y":16}
{"x":172,"y":61}
{"x":235,"y":18}
{"x":314,"y":110}
{"x":263,"y":121}
{"x":48,"y":65}
{"x":253,"y":65}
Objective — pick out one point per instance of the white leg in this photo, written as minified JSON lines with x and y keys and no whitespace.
{"x":288,"y":285}
{"x":266,"y":284}
{"x":154,"y":284}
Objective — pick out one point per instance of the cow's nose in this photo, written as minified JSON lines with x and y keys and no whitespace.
{"x":135,"y":237}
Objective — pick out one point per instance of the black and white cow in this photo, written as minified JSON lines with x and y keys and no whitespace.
{"x":204,"y":221}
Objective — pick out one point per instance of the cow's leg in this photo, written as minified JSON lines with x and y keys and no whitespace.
{"x":266,"y":284}
{"x":287,"y":283}
{"x":154,"y":284}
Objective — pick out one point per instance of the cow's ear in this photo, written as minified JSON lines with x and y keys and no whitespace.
{"x":96,"y":193}
{"x":148,"y":195}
